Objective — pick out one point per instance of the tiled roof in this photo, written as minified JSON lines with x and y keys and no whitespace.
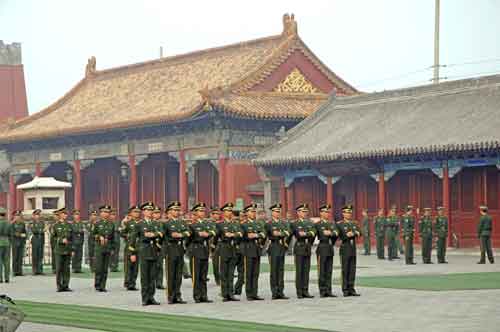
{"x":435,"y":119}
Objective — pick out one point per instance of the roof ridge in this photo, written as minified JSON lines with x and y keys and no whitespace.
{"x":275,"y":94}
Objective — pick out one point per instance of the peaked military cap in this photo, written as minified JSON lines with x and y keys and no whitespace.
{"x":302,"y":207}
{"x":227,"y":207}
{"x":427,"y":209}
{"x":17,"y":213}
{"x":76,"y":211}
{"x":148,"y":206}
{"x":440,"y":208}
{"x":250,"y":207}
{"x":348,"y":208}
{"x":105,"y":208}
{"x":134,"y":208}
{"x":199,"y":206}
{"x":175,"y":205}
{"x":483,"y":207}
{"x":276,"y":207}
{"x":113,"y":211}
{"x":93,"y":212}
{"x":325,"y":207}
{"x":37,"y":211}
{"x":409,"y":207}
{"x":215,"y":209}
{"x":61,"y":210}
{"x":157,"y":209}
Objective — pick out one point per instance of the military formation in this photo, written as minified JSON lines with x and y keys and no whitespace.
{"x":235,"y":241}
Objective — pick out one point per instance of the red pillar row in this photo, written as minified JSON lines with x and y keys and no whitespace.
{"x":329,"y":190}
{"x":12,"y":194}
{"x":283,"y":198}
{"x":446,"y":200}
{"x":289,"y":199}
{"x":381,"y":191}
{"x":222,"y":180}
{"x":78,"y":184}
{"x":183,"y":181}
{"x":132,"y":180}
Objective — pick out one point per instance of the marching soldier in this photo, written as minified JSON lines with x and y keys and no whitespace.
{"x":37,"y":242}
{"x":201,"y":231}
{"x":115,"y":255}
{"x":253,"y":234}
{"x":5,"y":238}
{"x":425,"y":230}
{"x":215,"y":219}
{"x":103,"y":233}
{"x":484,"y":230}
{"x":379,"y":224}
{"x":327,"y":235}
{"x":52,"y":243}
{"x":91,"y":240}
{"x":175,"y":231}
{"x":160,"y":266}
{"x":441,"y":232}
{"x":78,"y":239}
{"x":146,"y":240}
{"x":408,"y":223}
{"x":239,"y":216}
{"x":278,"y":232}
{"x":18,"y":243}
{"x":130,"y":265}
{"x":63,"y":237}
{"x":392,"y":226}
{"x":228,"y":232}
{"x":305,"y":233}
{"x":366,"y":232}
{"x":348,"y":232}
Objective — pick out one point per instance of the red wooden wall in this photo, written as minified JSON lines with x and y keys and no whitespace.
{"x":158,"y":180}
{"x":207,"y":179}
{"x":240,"y":174}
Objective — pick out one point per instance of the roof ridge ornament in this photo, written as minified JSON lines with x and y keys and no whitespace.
{"x":90,"y":69}
{"x":289,"y":25}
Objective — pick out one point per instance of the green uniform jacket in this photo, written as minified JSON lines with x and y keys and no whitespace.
{"x":441,"y":226}
{"x":251,"y":247}
{"x":408,"y":223}
{"x":425,"y":226}
{"x":62,"y":230}
{"x":78,"y":232}
{"x":348,"y":246}
{"x":149,"y":248}
{"x":126,"y":232}
{"x":199,"y":246}
{"x":379,"y":223}
{"x":38,"y":229}
{"x":366,"y":227}
{"x":175,"y":247}
{"x":392,"y":225}
{"x":485,"y":226}
{"x":304,"y":243}
{"x":106,"y":229}
{"x":326,"y":242}
{"x":227,"y":246}
{"x":5,"y":233}
{"x":279,"y":243}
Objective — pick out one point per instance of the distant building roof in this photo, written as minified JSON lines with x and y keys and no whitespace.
{"x":44,"y":182}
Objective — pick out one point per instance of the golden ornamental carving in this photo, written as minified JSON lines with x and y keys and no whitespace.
{"x":295,"y":82}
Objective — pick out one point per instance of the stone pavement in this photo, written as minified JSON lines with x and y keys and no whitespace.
{"x":376,"y":310}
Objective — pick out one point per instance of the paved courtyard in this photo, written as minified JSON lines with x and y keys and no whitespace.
{"x":378,"y":309}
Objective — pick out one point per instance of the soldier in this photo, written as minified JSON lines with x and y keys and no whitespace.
{"x":215,"y":219}
{"x":115,"y":255}
{"x":5,"y":238}
{"x":130,"y":266}
{"x":52,"y":241}
{"x":253,"y":235}
{"x":304,"y":233}
{"x":441,"y":232}
{"x":379,"y":224}
{"x":327,"y":235}
{"x":408,"y":223}
{"x":201,"y":231}
{"x":278,"y":232}
{"x":91,"y":240}
{"x":146,"y":239}
{"x":348,"y":232}
{"x":104,"y":235}
{"x":160,"y":266}
{"x":425,"y":230}
{"x":78,"y":239}
{"x":63,"y":237}
{"x":228,"y":232}
{"x":240,"y":279}
{"x":37,"y":242}
{"x":175,"y":231}
{"x":484,"y":230}
{"x":18,"y":243}
{"x":366,"y":232}
{"x":392,"y":226}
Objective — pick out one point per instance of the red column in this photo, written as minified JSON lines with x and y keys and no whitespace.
{"x":446,"y":199}
{"x":381,"y":190}
{"x":183,"y":181}
{"x":283,"y":197}
{"x":78,"y":184}
{"x":289,"y":198}
{"x":329,"y":190}
{"x":12,"y":195}
{"x":222,"y":180}
{"x":38,"y":169}
{"x":132,"y":190}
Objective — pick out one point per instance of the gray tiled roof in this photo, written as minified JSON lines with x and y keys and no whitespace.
{"x":453,"y":116}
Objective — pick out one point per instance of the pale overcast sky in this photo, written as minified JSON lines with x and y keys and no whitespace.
{"x":374,"y":45}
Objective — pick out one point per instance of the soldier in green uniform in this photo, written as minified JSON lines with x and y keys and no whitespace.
{"x":240,"y":270}
{"x":52,"y":241}
{"x":148,"y":239}
{"x":408,"y":224}
{"x":63,"y":235}
{"x":215,"y":219}
{"x":228,"y":233}
{"x":78,"y":240}
{"x":115,"y":255}
{"x":304,"y":232}
{"x":278,"y":233}
{"x":37,"y":242}
{"x":18,"y":243}
{"x":484,"y":230}
{"x":202,"y":230}
{"x":91,"y":240}
{"x":348,"y":232}
{"x":425,"y":231}
{"x":366,"y":232}
{"x":253,"y":234}
{"x":104,"y":236}
{"x":379,"y":224}
{"x":160,"y":262}
{"x":392,"y":226}
{"x":130,"y":266}
{"x":441,"y":233}
{"x":327,"y":235}
{"x":5,"y":238}
{"x":176,"y":232}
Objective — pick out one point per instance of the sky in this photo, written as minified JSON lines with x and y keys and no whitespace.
{"x":373,"y":45}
